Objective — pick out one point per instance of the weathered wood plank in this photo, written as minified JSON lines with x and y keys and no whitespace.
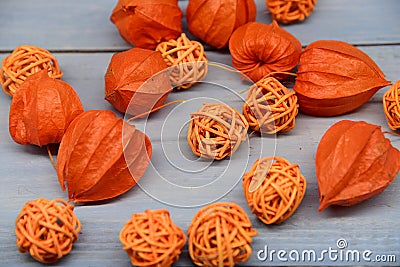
{"x":85,"y":25}
{"x":26,"y":174}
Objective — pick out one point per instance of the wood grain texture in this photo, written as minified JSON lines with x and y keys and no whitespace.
{"x":26,"y":172}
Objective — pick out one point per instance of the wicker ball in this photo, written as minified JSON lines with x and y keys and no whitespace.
{"x":47,"y":229}
{"x":220,"y":235}
{"x":288,"y":11}
{"x":152,"y":239}
{"x":216,"y":131}
{"x":24,"y":61}
{"x":274,"y":189}
{"x":270,"y":107}
{"x":391,"y":106}
{"x":186,"y":59}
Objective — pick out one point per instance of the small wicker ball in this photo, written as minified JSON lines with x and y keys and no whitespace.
{"x":391,"y":106}
{"x":216,"y":131}
{"x":288,"y":11}
{"x":186,"y":59}
{"x":273,"y":189}
{"x":270,"y":107}
{"x":47,"y":229}
{"x":152,"y":239}
{"x":26,"y":60}
{"x":220,"y":235}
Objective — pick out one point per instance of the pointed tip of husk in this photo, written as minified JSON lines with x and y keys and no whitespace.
{"x":322,"y":204}
{"x":61,"y":182}
{"x":322,"y":207}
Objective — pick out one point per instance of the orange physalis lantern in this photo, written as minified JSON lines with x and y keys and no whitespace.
{"x":354,"y":162}
{"x":101,"y":156}
{"x":128,"y":86}
{"x":258,"y":49}
{"x":215,"y":21}
{"x":147,"y":23}
{"x":42,"y":109}
{"x":335,"y":78}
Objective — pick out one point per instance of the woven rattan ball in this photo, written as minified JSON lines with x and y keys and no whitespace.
{"x":216,"y":131}
{"x":220,"y":235}
{"x":288,"y":11}
{"x":391,"y":106}
{"x":24,"y":61}
{"x":47,"y":229}
{"x":152,"y":239}
{"x":270,"y":107}
{"x":273,"y":189}
{"x":186,"y":60}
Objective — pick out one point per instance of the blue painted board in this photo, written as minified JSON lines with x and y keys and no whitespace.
{"x":84,"y":40}
{"x":85,"y":25}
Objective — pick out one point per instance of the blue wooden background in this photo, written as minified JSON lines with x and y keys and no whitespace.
{"x":83,"y":39}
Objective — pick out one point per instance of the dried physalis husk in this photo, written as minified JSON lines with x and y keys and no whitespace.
{"x":335,"y":78}
{"x":354,"y":162}
{"x":270,"y":107}
{"x":101,"y":157}
{"x":186,"y":61}
{"x":216,"y":131}
{"x":289,"y":11}
{"x":215,"y":21}
{"x":391,"y":106}
{"x":137,"y":81}
{"x":24,"y":61}
{"x":42,"y":109}
{"x":274,"y":188}
{"x":258,"y":49}
{"x":147,"y":23}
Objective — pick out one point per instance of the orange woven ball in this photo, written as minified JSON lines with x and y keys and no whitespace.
{"x":220,"y":235}
{"x":24,"y":61}
{"x":391,"y":106}
{"x":288,"y":11}
{"x":186,"y":59}
{"x":152,"y":239}
{"x":216,"y":131}
{"x":273,"y":189}
{"x":47,"y":229}
{"x":270,"y":107}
